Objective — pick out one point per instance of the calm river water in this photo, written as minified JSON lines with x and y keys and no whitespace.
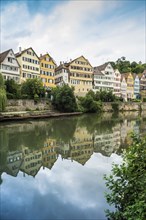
{"x":53,"y":169}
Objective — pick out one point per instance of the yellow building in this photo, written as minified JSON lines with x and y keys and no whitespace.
{"x":29,"y":64}
{"x":143,"y":85}
{"x":130,"y":85}
{"x":49,"y":155}
{"x":32,"y":161}
{"x":77,"y":73}
{"x":81,"y":73}
{"x":47,"y":71}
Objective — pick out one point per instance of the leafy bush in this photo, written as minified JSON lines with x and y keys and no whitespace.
{"x":88,"y":104}
{"x":115,"y":106}
{"x":3,"y":98}
{"x":64,"y":99}
{"x":12,"y":89}
{"x":144,"y":99}
{"x":127,"y":184}
{"x":33,"y":87}
{"x":10,"y":96}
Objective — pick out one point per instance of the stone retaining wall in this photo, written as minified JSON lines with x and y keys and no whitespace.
{"x":125,"y":106}
{"x":31,"y":105}
{"x":27,"y":105}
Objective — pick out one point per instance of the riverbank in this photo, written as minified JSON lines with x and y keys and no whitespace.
{"x":24,"y":115}
{"x":17,"y":110}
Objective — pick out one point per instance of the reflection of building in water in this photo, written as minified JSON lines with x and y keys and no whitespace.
{"x":127,"y":128}
{"x":81,"y":152}
{"x":81,"y":148}
{"x":107,"y":143}
{"x":49,"y":155}
{"x":14,"y":161}
{"x":63,"y":149}
{"x":32,"y":161}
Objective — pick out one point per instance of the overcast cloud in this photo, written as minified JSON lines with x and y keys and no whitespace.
{"x":99,"y":30}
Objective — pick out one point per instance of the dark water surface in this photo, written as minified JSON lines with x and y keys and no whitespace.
{"x":53,"y":169}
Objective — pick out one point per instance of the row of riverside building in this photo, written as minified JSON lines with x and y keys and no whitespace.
{"x":26,"y":64}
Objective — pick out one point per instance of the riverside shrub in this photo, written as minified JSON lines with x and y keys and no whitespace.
{"x":3,"y":98}
{"x":127,"y":184}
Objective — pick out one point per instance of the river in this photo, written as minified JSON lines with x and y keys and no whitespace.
{"x":53,"y":168}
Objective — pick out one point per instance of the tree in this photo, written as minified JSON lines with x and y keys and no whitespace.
{"x":33,"y":88}
{"x":64,"y":99}
{"x":127,"y":184}
{"x":3,"y":97}
{"x":12,"y":89}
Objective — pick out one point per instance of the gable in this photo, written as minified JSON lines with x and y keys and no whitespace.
{"x":48,"y":58}
{"x":10,"y":59}
{"x":81,"y":61}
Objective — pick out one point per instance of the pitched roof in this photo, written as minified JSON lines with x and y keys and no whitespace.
{"x":78,"y":58}
{"x":126,"y":75}
{"x":61,"y":66}
{"x":96,"y":71}
{"x":144,"y":72}
{"x":23,"y":51}
{"x":43,"y":56}
{"x":102,"y":67}
{"x":122,"y":77}
{"x":3,"y":55}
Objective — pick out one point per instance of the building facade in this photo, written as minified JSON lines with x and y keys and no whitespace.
{"x":136,"y":86}
{"x":77,"y":73}
{"x":104,"y":78}
{"x":130,"y":85}
{"x":61,"y":75}
{"x":29,"y":64}
{"x":117,"y":84}
{"x":123,"y":88}
{"x":9,"y":66}
{"x":143,"y":85}
{"x":47,"y":71}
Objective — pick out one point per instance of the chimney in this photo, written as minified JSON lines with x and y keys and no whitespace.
{"x":40,"y":55}
{"x":60,"y":62}
{"x":19,"y":49}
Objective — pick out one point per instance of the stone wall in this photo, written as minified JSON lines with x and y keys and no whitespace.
{"x":26,"y":105}
{"x":125,"y":106}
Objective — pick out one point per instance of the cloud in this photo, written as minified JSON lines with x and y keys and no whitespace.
{"x":75,"y":28}
{"x":68,"y":191}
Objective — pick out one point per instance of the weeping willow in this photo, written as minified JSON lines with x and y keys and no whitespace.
{"x":3,"y":97}
{"x":3,"y":100}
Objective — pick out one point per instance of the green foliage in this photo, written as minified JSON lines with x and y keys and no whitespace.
{"x":33,"y":87}
{"x":115,"y":106}
{"x":89,"y":104}
{"x":3,"y":98}
{"x":127,"y":184}
{"x":105,"y":96}
{"x":64,"y":99}
{"x":125,"y":66}
{"x":12,"y":89}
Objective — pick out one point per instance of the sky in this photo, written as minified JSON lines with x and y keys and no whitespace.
{"x":101,"y":31}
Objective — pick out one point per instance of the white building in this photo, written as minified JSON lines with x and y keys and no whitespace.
{"x":29,"y":64}
{"x":117,"y":84}
{"x":136,"y":86}
{"x":123,"y":88}
{"x":9,"y":66}
{"x":61,"y":75}
{"x":103,"y":78}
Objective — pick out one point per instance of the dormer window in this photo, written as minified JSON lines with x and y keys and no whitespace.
{"x":10,"y":59}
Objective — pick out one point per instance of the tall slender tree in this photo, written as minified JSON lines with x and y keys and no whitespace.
{"x":3,"y":97}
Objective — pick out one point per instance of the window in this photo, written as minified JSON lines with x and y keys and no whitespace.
{"x":10,"y":59}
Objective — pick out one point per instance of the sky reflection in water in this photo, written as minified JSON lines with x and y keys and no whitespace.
{"x":73,"y":187}
{"x":67,"y":191}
